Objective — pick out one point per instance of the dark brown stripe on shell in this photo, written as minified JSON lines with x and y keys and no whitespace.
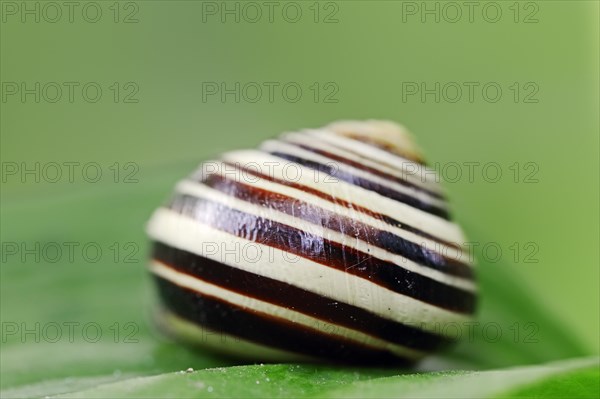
{"x":318,"y":249}
{"x":387,"y":219}
{"x":419,"y":161}
{"x":220,"y":316}
{"x":366,"y":184}
{"x":345,"y":225}
{"x":365,"y":168}
{"x":298,"y":299}
{"x":366,"y":139}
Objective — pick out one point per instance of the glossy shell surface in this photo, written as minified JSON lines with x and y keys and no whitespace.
{"x":324,"y":244}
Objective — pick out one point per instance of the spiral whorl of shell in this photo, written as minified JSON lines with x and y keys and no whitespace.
{"x":332,"y":243}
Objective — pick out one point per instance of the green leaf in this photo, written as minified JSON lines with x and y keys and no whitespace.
{"x":473,"y":384}
{"x":257,"y":381}
{"x":572,"y":378}
{"x":582,"y":383}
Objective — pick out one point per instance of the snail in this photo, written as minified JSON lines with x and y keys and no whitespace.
{"x":330,"y":244}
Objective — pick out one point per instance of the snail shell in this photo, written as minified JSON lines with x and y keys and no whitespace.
{"x":332,"y":243}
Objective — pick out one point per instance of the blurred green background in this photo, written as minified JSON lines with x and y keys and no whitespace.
{"x":366,"y":54}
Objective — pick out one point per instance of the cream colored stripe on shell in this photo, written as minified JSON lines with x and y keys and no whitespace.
{"x":401,"y":165}
{"x":237,"y":175}
{"x":187,"y":234}
{"x":279,"y":312}
{"x":412,"y":172}
{"x":225,"y":343}
{"x":201,"y":191}
{"x":276,"y":167}
{"x":281,"y":146}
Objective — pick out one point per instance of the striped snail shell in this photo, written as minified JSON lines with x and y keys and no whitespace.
{"x":329,"y":244}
